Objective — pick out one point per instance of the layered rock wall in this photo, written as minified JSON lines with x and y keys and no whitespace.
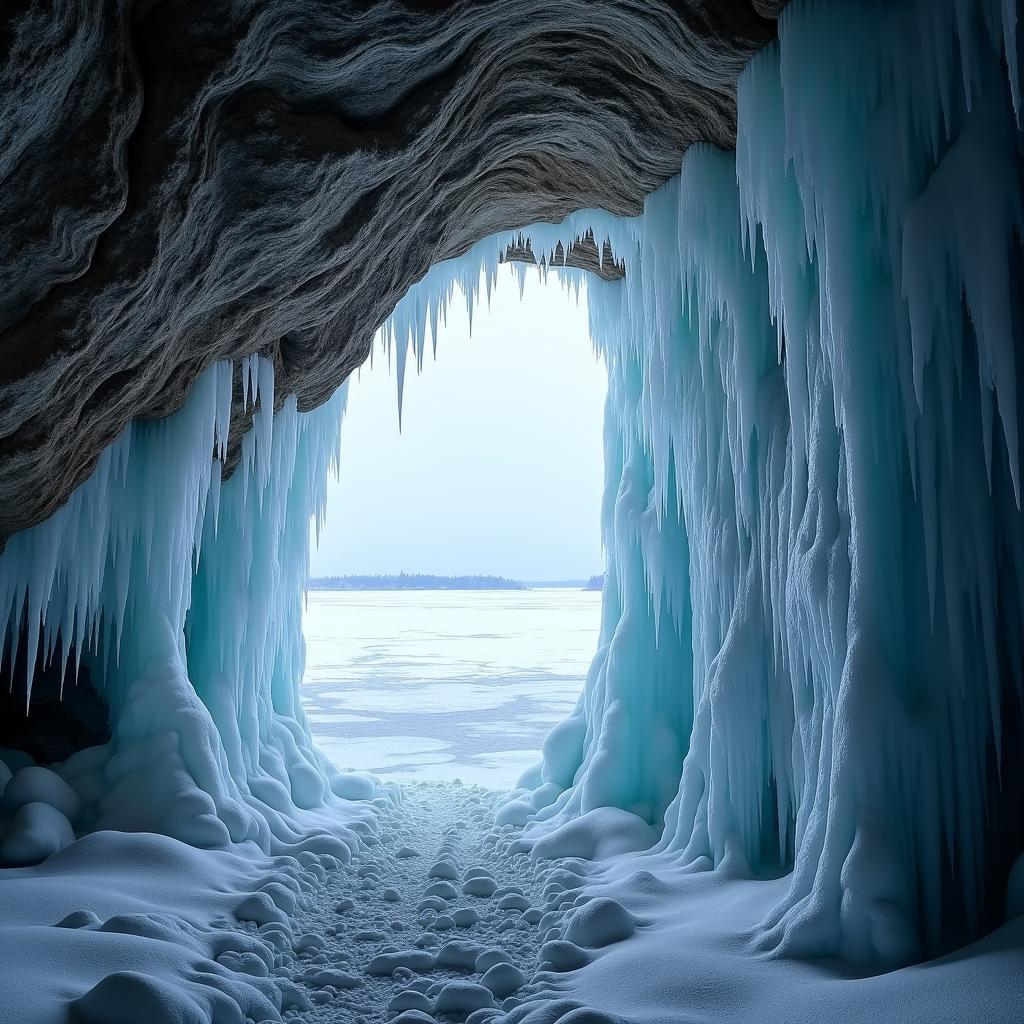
{"x":182,"y":182}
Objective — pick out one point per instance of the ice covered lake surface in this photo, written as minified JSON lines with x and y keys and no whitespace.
{"x":444,"y":684}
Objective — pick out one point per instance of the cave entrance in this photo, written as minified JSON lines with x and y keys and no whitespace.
{"x":487,"y":498}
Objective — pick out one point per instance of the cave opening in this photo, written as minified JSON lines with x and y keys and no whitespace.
{"x":454,"y":605}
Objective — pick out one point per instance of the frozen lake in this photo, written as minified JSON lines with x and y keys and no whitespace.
{"x":444,"y":684}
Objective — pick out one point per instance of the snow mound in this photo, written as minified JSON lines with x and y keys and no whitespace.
{"x":597,"y":835}
{"x":600,"y":922}
{"x":34,"y":784}
{"x":37,"y":831}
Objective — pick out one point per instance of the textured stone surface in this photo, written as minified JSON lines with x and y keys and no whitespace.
{"x":185,"y":182}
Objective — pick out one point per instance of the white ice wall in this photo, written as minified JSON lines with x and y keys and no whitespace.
{"x":814,"y":365}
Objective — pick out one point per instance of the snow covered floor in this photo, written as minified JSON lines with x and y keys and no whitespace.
{"x":694,"y":958}
{"x":436,"y":914}
{"x":430,"y":908}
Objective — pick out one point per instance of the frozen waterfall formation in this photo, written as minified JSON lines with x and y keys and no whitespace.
{"x":811,"y":657}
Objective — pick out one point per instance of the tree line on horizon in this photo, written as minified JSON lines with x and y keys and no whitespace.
{"x":415,"y":581}
{"x":429,"y":581}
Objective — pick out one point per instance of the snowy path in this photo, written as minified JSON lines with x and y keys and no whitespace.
{"x":438,"y":917}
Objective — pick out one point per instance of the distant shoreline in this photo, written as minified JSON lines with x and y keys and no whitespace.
{"x":424,"y":581}
{"x":415,"y":581}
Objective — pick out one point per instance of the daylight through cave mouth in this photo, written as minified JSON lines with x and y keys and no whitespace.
{"x":454,"y":599}
{"x":804,"y":715}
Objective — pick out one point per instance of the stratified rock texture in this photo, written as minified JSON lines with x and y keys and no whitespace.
{"x":182,"y":182}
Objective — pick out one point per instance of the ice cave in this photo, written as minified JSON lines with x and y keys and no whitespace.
{"x":792,"y":786}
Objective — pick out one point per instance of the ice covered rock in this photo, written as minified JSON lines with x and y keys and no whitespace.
{"x":461,"y":953}
{"x":479,"y":885}
{"x":293,"y":998}
{"x":503,"y":979}
{"x":514,"y":901}
{"x":414,"y":1017}
{"x":600,"y":922}
{"x":353,"y":786}
{"x":443,"y":869}
{"x":434,"y":903}
{"x":442,"y":890}
{"x":410,"y":999}
{"x":462,"y":997}
{"x":35,"y":784}
{"x":489,"y":957}
{"x":321,"y":977}
{"x":36,"y":832}
{"x":487,"y":1015}
{"x":417,"y":960}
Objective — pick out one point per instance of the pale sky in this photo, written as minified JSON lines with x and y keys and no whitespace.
{"x":498,"y":468}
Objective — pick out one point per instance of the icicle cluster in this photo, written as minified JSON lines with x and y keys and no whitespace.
{"x":425,"y":305}
{"x":185,"y":595}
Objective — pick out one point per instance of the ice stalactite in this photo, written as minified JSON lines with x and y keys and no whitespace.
{"x":185,"y":595}
{"x":811,"y":652}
